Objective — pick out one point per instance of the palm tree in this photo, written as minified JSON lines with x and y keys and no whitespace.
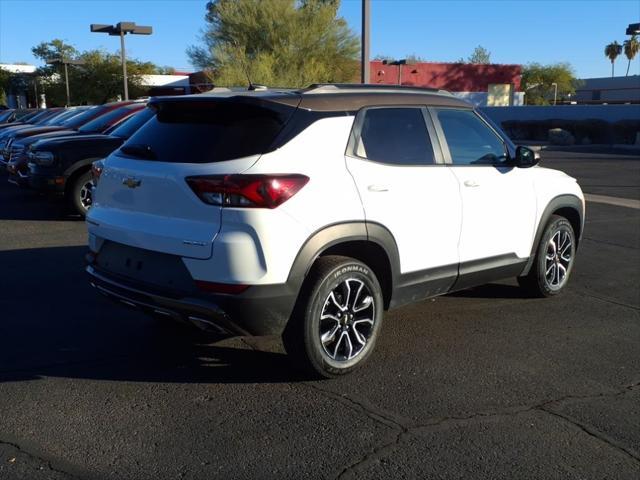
{"x":612,"y":51}
{"x":631,"y":49}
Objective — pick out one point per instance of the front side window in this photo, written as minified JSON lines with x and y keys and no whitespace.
{"x":396,"y":136}
{"x":470,"y":140}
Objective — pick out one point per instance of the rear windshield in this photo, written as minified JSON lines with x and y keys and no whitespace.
{"x":131,"y":124}
{"x":208,"y":131}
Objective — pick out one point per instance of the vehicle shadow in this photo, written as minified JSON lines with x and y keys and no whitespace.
{"x":24,"y":204}
{"x":491,"y":290}
{"x":52,"y":323}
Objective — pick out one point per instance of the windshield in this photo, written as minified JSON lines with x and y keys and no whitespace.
{"x":86,"y":116}
{"x":41,"y":116}
{"x":61,"y":119}
{"x":103,"y":121}
{"x":132,"y":124}
{"x":208,"y":131}
{"x":4,"y":115}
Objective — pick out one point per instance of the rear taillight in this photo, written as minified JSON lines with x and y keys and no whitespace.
{"x":247,"y":191}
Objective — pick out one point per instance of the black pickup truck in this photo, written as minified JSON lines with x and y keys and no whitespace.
{"x":62,"y":165}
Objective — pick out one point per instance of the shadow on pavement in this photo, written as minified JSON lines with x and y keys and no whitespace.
{"x":24,"y":204}
{"x":491,"y":290}
{"x":52,"y":323}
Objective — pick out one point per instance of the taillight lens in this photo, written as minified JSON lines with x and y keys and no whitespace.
{"x":247,"y":191}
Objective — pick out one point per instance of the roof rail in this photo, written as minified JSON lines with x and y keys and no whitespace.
{"x":368,"y":87}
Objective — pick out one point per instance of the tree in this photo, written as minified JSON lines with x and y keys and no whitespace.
{"x":537,"y":82}
{"x":480,"y":55}
{"x":99,"y":80}
{"x":288,"y":43}
{"x":612,"y":51}
{"x":631,"y":49}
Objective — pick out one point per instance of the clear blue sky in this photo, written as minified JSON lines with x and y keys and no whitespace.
{"x":513,"y":31}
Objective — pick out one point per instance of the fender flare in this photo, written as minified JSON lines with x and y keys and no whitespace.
{"x":556,"y":203}
{"x":338,"y":233}
{"x":73,"y":168}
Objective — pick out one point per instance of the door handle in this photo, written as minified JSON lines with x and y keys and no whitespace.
{"x":378,"y":188}
{"x":471,"y":183}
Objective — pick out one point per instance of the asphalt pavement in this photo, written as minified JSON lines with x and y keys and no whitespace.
{"x":479,"y":384}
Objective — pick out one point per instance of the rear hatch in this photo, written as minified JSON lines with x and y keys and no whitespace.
{"x":143,"y":199}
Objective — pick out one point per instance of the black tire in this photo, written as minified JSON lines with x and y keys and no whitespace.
{"x":335,"y":275}
{"x":541,"y":281}
{"x":79,"y":199}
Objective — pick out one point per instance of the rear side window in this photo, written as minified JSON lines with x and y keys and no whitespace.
{"x":470,"y":140}
{"x":396,"y":136}
{"x":207,"y":131}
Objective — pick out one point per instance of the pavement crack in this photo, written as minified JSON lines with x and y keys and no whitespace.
{"x":39,"y":459}
{"x":612,"y":244}
{"x":592,"y":432}
{"x":608,"y":300}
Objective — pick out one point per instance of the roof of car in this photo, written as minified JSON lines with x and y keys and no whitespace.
{"x":335,"y":97}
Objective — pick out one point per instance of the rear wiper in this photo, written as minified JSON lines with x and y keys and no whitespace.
{"x":139,"y":151}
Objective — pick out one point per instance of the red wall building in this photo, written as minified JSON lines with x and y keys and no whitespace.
{"x":455,"y":77}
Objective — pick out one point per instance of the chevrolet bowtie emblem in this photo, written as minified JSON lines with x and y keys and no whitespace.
{"x":131,"y":182}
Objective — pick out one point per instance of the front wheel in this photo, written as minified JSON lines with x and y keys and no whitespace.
{"x":81,"y":193}
{"x":335,"y":325}
{"x":554,"y":260}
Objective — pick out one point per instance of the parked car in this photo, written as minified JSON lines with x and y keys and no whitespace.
{"x":310,"y":213}
{"x":12,"y":133}
{"x":7,"y":116}
{"x":15,"y":152}
{"x":62,"y":165}
{"x":32,"y":118}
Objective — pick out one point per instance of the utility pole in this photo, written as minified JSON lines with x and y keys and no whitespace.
{"x":365,"y":70}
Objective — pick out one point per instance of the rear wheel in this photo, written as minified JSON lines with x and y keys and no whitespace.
{"x":81,"y":193}
{"x":554,"y":260}
{"x":336,"y":322}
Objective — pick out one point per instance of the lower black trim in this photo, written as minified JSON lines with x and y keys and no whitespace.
{"x":485,"y":270}
{"x":416,"y":286}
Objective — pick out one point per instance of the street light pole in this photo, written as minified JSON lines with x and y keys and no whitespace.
{"x":65,"y":62}
{"x":365,"y":70}
{"x":555,"y":92}
{"x":121,"y":29}
{"x":66,"y":81}
{"x":123,"y":57}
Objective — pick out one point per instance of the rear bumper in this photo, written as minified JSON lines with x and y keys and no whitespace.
{"x":261,"y":310}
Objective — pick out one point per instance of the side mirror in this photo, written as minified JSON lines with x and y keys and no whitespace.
{"x":525,"y":157}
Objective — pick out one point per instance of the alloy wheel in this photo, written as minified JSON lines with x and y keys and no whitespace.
{"x":558,"y":258}
{"x":86,"y":195}
{"x":347,"y":320}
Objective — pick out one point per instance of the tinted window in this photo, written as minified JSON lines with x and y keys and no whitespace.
{"x":84,"y":117}
{"x":397,"y":136}
{"x":207,"y":131}
{"x":4,"y":115}
{"x":131,"y":124}
{"x":102,"y":122}
{"x":470,"y":140}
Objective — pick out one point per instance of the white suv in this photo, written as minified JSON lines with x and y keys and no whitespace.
{"x":309,"y":213}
